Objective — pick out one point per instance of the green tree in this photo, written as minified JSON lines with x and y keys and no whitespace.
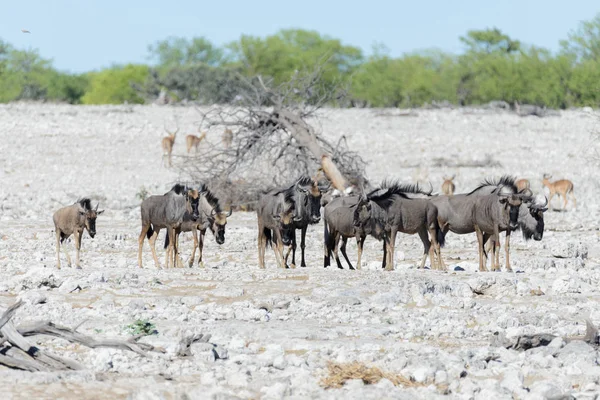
{"x":178,"y":51}
{"x":116,"y":85}
{"x":489,"y":41}
{"x":583,"y":43}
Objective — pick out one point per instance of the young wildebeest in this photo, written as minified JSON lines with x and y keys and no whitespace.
{"x":407,"y":215}
{"x":166,"y":211}
{"x":561,"y":188}
{"x":275,"y":214}
{"x":307,"y":198}
{"x":531,"y":223}
{"x":492,"y":214}
{"x":448,"y":186}
{"x":72,"y":220}
{"x":193,"y":141}
{"x":210,"y":217}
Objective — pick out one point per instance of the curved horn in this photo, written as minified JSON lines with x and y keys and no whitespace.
{"x":229,"y":213}
{"x":97,"y":204}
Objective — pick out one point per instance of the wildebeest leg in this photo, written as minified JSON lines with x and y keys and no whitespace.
{"x":145,"y":228}
{"x":434,"y":256}
{"x":261,"y":246}
{"x":178,"y":260}
{"x":360,"y":241}
{"x":343,"y":249}
{"x":482,"y":267}
{"x":335,"y":250}
{"x":193,"y":256}
{"x":278,"y":248}
{"x":389,"y":266}
{"x":58,"y":248}
{"x":152,"y":243}
{"x":507,"y":251}
{"x":426,"y":247}
{"x":201,"y":248}
{"x":77,"y":247}
{"x":302,"y":246}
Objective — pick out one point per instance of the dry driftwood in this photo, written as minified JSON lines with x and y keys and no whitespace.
{"x":274,"y":140}
{"x":16,"y":351}
{"x":526,"y":342}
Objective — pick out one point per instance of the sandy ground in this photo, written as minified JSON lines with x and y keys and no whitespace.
{"x":274,"y":331}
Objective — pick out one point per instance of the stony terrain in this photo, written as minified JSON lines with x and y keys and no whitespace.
{"x":274,"y":331}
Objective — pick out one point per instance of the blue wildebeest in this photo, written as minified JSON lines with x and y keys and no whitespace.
{"x":405,"y":214}
{"x":73,"y":220}
{"x":307,"y":198}
{"x":210,"y":217}
{"x":166,"y":211}
{"x":455,"y":212}
{"x":276,"y":218}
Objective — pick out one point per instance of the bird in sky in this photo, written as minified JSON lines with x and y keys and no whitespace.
{"x":25,"y":31}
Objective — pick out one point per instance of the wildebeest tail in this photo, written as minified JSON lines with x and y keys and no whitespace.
{"x":268,"y":237}
{"x":167,"y":239}
{"x":326,"y":240}
{"x":150,"y":232}
{"x":441,"y":238}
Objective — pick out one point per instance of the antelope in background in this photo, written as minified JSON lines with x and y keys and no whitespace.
{"x":522,"y":184}
{"x":194,"y":141}
{"x":167,"y":144}
{"x":561,"y":187}
{"x":227,"y":138}
{"x":71,"y":220}
{"x":448,"y":186}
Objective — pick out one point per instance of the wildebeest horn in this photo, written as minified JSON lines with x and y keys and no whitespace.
{"x":97,"y":204}
{"x":229,"y":213}
{"x":526,"y":192}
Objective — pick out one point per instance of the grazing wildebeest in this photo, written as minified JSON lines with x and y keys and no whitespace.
{"x":448,"y":186}
{"x":561,"y":188}
{"x":492,"y":214}
{"x":407,"y":215}
{"x":276,"y":213}
{"x":307,"y":198}
{"x":73,"y":220}
{"x":531,"y":223}
{"x":210,"y":217}
{"x":166,"y":211}
{"x":522,"y":184}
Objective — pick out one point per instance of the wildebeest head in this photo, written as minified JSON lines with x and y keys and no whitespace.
{"x":192,"y":201}
{"x":362,"y":212}
{"x":531,"y":218}
{"x":286,"y":221}
{"x":90,"y":215}
{"x":512,"y":203}
{"x":310,"y":192}
{"x":217,"y":221}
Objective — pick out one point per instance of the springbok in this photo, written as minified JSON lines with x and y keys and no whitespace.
{"x":307,"y":198}
{"x":276,"y":220}
{"x":72,"y":220}
{"x":166,"y":211}
{"x":407,"y":215}
{"x":193,"y":141}
{"x":561,"y":188}
{"x":167,"y":144}
{"x":522,"y":184}
{"x":448,"y":186}
{"x":210,"y":217}
{"x":227,"y":138}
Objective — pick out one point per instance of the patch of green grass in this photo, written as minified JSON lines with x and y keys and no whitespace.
{"x":142,"y":327}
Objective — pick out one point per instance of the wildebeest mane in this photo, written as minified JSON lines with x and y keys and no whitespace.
{"x":503,"y":181}
{"x":178,"y":188}
{"x":85,"y":203}
{"x":210,"y":197}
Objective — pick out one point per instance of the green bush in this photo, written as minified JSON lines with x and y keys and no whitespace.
{"x":116,"y":85}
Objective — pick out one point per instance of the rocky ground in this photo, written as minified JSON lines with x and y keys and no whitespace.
{"x":274,"y":332}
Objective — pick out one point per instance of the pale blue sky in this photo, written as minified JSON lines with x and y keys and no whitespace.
{"x":82,"y":35}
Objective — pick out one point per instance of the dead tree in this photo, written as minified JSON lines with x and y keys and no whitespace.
{"x":274,"y":139}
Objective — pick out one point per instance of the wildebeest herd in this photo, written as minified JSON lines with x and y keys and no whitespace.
{"x":495,"y":206}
